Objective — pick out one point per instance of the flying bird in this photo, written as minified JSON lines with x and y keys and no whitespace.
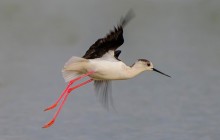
{"x":101,"y":64}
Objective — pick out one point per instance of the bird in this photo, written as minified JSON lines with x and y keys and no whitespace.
{"x":101,"y":64}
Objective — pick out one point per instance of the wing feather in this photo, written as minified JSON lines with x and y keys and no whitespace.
{"x":112,"y":41}
{"x":103,"y":91}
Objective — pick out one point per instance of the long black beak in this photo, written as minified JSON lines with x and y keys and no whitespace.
{"x":161,"y":72}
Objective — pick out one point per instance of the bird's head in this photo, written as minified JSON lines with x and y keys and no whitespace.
{"x":147,"y":65}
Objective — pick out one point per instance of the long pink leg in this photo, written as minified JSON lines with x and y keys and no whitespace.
{"x":67,"y":87}
{"x":55,"y":104}
{"x":64,"y":100}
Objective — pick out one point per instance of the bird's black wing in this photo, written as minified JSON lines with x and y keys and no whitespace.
{"x":112,"y":41}
{"x":117,"y":53}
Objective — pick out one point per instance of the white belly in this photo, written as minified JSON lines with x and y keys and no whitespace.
{"x":107,"y":70}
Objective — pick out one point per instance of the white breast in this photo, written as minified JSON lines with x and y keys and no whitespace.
{"x":107,"y":70}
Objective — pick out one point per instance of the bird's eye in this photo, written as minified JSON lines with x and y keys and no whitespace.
{"x":148,"y":64}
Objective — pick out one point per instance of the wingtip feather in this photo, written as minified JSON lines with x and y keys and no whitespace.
{"x":124,"y":20}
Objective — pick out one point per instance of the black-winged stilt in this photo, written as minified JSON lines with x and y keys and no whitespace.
{"x":102,"y":65}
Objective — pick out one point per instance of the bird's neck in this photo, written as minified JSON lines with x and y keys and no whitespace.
{"x":134,"y":70}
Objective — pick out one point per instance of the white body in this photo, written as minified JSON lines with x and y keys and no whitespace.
{"x":108,"y":70}
{"x":105,"y":69}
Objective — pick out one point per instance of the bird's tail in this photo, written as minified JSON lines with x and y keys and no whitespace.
{"x":72,"y":68}
{"x":124,"y":20}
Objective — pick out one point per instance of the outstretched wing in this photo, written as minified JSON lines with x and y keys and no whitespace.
{"x":103,"y":91}
{"x":112,"y":41}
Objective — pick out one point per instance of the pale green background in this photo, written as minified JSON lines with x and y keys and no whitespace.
{"x":181,"y":38}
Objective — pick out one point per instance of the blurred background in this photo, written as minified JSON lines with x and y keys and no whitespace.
{"x":181,"y":38}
